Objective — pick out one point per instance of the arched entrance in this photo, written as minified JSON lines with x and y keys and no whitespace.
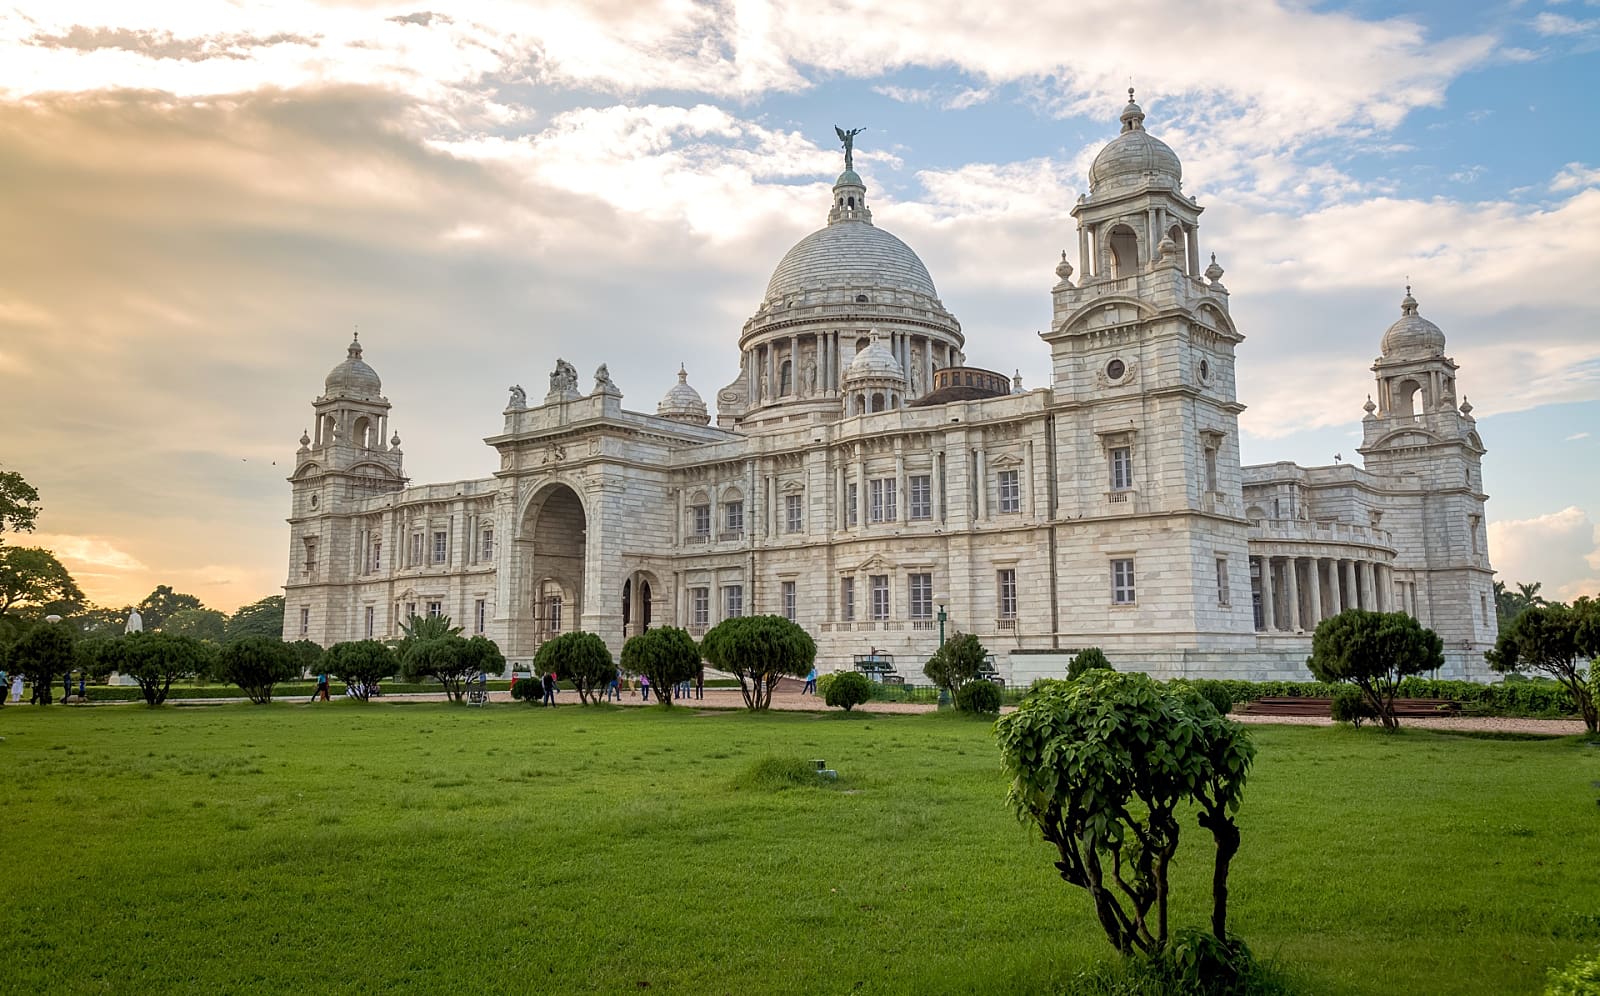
{"x":552,"y":542}
{"x":639,"y":593}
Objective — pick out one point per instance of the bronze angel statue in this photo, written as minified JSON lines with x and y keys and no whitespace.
{"x":849,"y":140}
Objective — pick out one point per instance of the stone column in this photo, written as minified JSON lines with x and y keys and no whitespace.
{"x":772,"y":374}
{"x":1084,"y":269}
{"x":1352,"y":586}
{"x":1291,"y":571}
{"x":1335,"y":596}
{"x":902,"y":501}
{"x":1314,"y":590}
{"x":1191,"y":236}
{"x":861,"y":486}
{"x":1365,"y":576}
{"x":1268,"y":622}
{"x":980,"y":472}
{"x":794,"y":365}
{"x":752,"y":376}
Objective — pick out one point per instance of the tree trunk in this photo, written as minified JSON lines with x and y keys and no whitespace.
{"x":1226,"y":833}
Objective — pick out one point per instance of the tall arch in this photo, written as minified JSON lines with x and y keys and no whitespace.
{"x":551,"y":546}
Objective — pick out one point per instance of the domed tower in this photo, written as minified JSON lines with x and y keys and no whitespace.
{"x":1423,"y":441}
{"x":344,"y":458}
{"x":874,"y":381}
{"x":824,"y":299}
{"x":683,"y":403}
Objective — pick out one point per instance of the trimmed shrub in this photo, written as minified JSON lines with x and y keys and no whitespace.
{"x":1088,"y":659}
{"x":847,"y":690}
{"x":581,"y":658}
{"x":758,"y":650}
{"x":1374,"y":651}
{"x":957,"y":662}
{"x":666,"y":655}
{"x":981,"y":697}
{"x":824,"y":682}
{"x":256,"y":663}
{"x":361,"y":664}
{"x":529,"y":690}
{"x":1351,"y":706}
{"x":1215,"y":692}
{"x":1581,"y":977}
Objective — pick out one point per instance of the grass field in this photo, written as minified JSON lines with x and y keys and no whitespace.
{"x":443,"y":849}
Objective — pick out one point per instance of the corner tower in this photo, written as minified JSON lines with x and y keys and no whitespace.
{"x":1147,"y":426}
{"x":1425,"y":446}
{"x":345,"y":458}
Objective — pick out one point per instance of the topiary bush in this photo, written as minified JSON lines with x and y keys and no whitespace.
{"x":824,"y":682}
{"x":980,"y":697}
{"x":1351,"y":706}
{"x":1088,"y":659}
{"x":847,"y":690}
{"x":1216,"y":692}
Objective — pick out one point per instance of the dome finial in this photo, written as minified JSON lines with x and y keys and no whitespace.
{"x":1408,"y":304}
{"x":1132,"y":115}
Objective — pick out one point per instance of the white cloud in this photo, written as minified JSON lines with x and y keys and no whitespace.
{"x":1575,"y":176}
{"x":1575,"y":437}
{"x":1559,"y":25}
{"x":86,"y":554}
{"x":1560,"y":549}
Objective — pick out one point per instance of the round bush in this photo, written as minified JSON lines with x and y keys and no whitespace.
{"x":847,"y":690}
{"x":980,"y":697}
{"x":825,"y":682}
{"x":1089,"y":659}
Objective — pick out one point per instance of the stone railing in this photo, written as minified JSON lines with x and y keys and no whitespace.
{"x":1309,"y":531}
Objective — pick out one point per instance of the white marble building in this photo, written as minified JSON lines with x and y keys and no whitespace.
{"x":860,"y":476}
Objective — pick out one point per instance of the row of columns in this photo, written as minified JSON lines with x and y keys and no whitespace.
{"x":834,"y":351}
{"x":1092,"y":247}
{"x":1315,"y":588}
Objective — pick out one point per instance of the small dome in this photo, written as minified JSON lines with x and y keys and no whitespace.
{"x":1412,"y":337}
{"x":1134,"y":157}
{"x":874,"y":363}
{"x":353,"y":378}
{"x":683,"y":403}
{"x":849,"y":178}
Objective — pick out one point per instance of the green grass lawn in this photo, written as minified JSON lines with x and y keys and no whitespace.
{"x":438,"y":848}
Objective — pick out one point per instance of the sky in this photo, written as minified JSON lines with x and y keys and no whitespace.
{"x":200,"y":202}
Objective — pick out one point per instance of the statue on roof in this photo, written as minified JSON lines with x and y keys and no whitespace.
{"x":519,"y":397}
{"x":849,"y":140}
{"x":564,"y":377}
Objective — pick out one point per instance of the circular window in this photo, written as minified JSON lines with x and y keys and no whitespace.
{"x":1115,"y":369}
{"x":861,"y":299}
{"x":313,"y":501}
{"x":1205,"y":370}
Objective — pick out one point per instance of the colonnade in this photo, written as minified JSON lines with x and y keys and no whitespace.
{"x":1296,"y":593}
{"x":831,"y":352}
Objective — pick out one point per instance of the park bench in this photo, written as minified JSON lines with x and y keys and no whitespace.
{"x":879,"y":667}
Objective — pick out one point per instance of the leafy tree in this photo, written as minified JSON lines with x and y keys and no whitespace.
{"x":1554,"y":639}
{"x":1350,"y":705}
{"x":666,"y":655}
{"x":979,"y":697}
{"x":96,"y":620}
{"x":30,"y":575}
{"x":758,"y":650}
{"x":1373,"y":651}
{"x":442,"y":658}
{"x":43,"y":654}
{"x":156,"y":660}
{"x":1087,"y":659}
{"x":483,"y":656}
{"x":1101,"y":765}
{"x":307,"y":655}
{"x":428,"y":628}
{"x":1509,"y":603}
{"x":19,"y":503}
{"x":847,"y":690}
{"x":579,"y":657}
{"x":956,"y":663}
{"x":160,"y":605}
{"x":97,"y":655}
{"x":255,"y":664}
{"x":202,"y":624}
{"x":263,"y":618}
{"x":361,"y":664}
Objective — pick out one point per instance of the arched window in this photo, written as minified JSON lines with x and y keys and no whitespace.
{"x":1405,"y":397}
{"x":877,"y":402}
{"x":850,"y":202}
{"x":786,"y":378}
{"x":1124,"y":247}
{"x":364,"y":433}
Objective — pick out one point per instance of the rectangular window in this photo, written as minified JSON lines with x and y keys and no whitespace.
{"x":788,"y":601}
{"x":852,"y":504}
{"x":305,"y":621}
{"x":435,"y":610}
{"x":880,"y":500}
{"x":793,"y":514}
{"x":880,"y":596}
{"x":440,"y":543}
{"x":1277,"y":508}
{"x":732,"y":601}
{"x":377,"y":556}
{"x":921,"y":497}
{"x":488,"y":544}
{"x":701,"y":516}
{"x":416,"y":550}
{"x":553,"y":608}
{"x":1010,"y":491}
{"x":411,"y":611}
{"x":847,"y":599}
{"x":372,"y":618}
{"x":1122,"y":582}
{"x":1222,"y":581}
{"x":920,"y":587}
{"x":733,"y":516}
{"x":480,"y":615}
{"x":311,"y":554}
{"x":700,"y":606}
{"x":1121,"y":468}
{"x":1006,"y":591}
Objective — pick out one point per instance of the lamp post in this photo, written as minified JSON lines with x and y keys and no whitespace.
{"x":941,"y":599}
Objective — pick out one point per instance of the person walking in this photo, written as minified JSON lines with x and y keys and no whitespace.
{"x":549,"y":689}
{"x":700,"y":682}
{"x":811,"y":683}
{"x":644,"y":687}
{"x":322,"y":685}
{"x":614,"y":690}
{"x":16,"y":688}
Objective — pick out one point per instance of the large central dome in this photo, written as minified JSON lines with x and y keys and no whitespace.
{"x":849,"y":254}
